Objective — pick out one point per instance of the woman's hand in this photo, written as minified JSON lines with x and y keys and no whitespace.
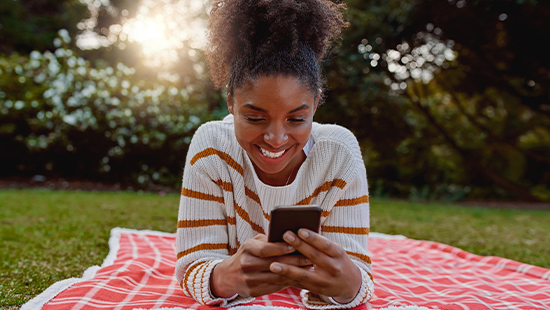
{"x":247,"y":271}
{"x":333,"y":273}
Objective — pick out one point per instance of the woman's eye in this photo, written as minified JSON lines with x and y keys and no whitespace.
{"x":296,"y":120}
{"x":254,"y":120}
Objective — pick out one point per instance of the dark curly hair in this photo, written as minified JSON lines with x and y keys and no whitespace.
{"x":251,"y":38}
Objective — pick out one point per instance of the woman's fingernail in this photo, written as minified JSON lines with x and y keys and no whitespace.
{"x":289,"y":237}
{"x":276,"y":268}
{"x":303,"y":233}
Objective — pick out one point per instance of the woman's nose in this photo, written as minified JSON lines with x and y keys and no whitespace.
{"x":276,"y":136}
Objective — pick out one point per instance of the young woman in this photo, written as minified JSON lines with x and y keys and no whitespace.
{"x":268,"y":152}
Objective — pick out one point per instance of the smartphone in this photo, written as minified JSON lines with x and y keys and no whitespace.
{"x":284,"y":218}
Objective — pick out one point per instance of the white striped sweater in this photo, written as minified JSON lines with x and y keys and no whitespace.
{"x":224,"y":203}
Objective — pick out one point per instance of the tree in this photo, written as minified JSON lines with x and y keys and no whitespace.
{"x":463,"y":85}
{"x":27,"y":25}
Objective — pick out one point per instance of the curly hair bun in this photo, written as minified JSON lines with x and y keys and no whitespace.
{"x":251,"y":29}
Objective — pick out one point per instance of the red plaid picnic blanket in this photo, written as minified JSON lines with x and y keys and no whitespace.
{"x":409,"y":274}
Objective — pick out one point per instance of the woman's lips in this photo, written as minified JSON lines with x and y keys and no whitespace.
{"x":271,"y":154}
{"x":272,"y":157}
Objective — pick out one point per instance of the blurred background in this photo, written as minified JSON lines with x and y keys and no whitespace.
{"x":449,"y":99}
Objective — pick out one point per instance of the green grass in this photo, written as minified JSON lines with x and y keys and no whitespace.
{"x":48,"y":236}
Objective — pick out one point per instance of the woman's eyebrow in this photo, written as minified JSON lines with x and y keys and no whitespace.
{"x":302,"y":107}
{"x":253,"y":107}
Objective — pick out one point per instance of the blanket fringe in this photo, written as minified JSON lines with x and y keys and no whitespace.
{"x":259,"y":307}
{"x":114,"y":245}
{"x":39,"y":301}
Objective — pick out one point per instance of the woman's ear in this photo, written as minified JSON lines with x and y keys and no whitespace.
{"x":229,"y":102}
{"x":317,"y":99}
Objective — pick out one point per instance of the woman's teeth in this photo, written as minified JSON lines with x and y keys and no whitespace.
{"x":271,"y":154}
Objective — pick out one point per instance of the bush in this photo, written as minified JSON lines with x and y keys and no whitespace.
{"x":60,"y":115}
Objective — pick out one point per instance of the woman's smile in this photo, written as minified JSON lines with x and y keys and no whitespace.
{"x":271,"y":155}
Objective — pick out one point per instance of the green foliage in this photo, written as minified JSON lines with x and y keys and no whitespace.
{"x":61,"y":115}
{"x":449,"y":99}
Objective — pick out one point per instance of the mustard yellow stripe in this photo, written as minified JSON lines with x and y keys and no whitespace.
{"x":228,"y":187}
{"x":202,"y":277}
{"x":352,"y":201}
{"x":198,"y":195}
{"x":323,"y":188}
{"x":228,"y":159}
{"x":195,"y":278}
{"x":362,"y":257}
{"x":346,"y":230}
{"x":252,"y":195}
{"x":201,"y":247}
{"x":201,"y":223}
{"x":244,"y":215}
{"x":186,"y":278}
{"x":368,"y":294}
{"x":233,"y":250}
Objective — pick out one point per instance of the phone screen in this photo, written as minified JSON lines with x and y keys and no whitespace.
{"x":284,"y":218}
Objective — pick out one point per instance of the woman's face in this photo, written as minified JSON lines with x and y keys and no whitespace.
{"x":273,"y":118}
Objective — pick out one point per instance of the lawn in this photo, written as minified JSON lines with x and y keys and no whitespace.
{"x":48,"y":236}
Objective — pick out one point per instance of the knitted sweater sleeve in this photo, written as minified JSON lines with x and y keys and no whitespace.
{"x":202,"y":237}
{"x":348,"y":223}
